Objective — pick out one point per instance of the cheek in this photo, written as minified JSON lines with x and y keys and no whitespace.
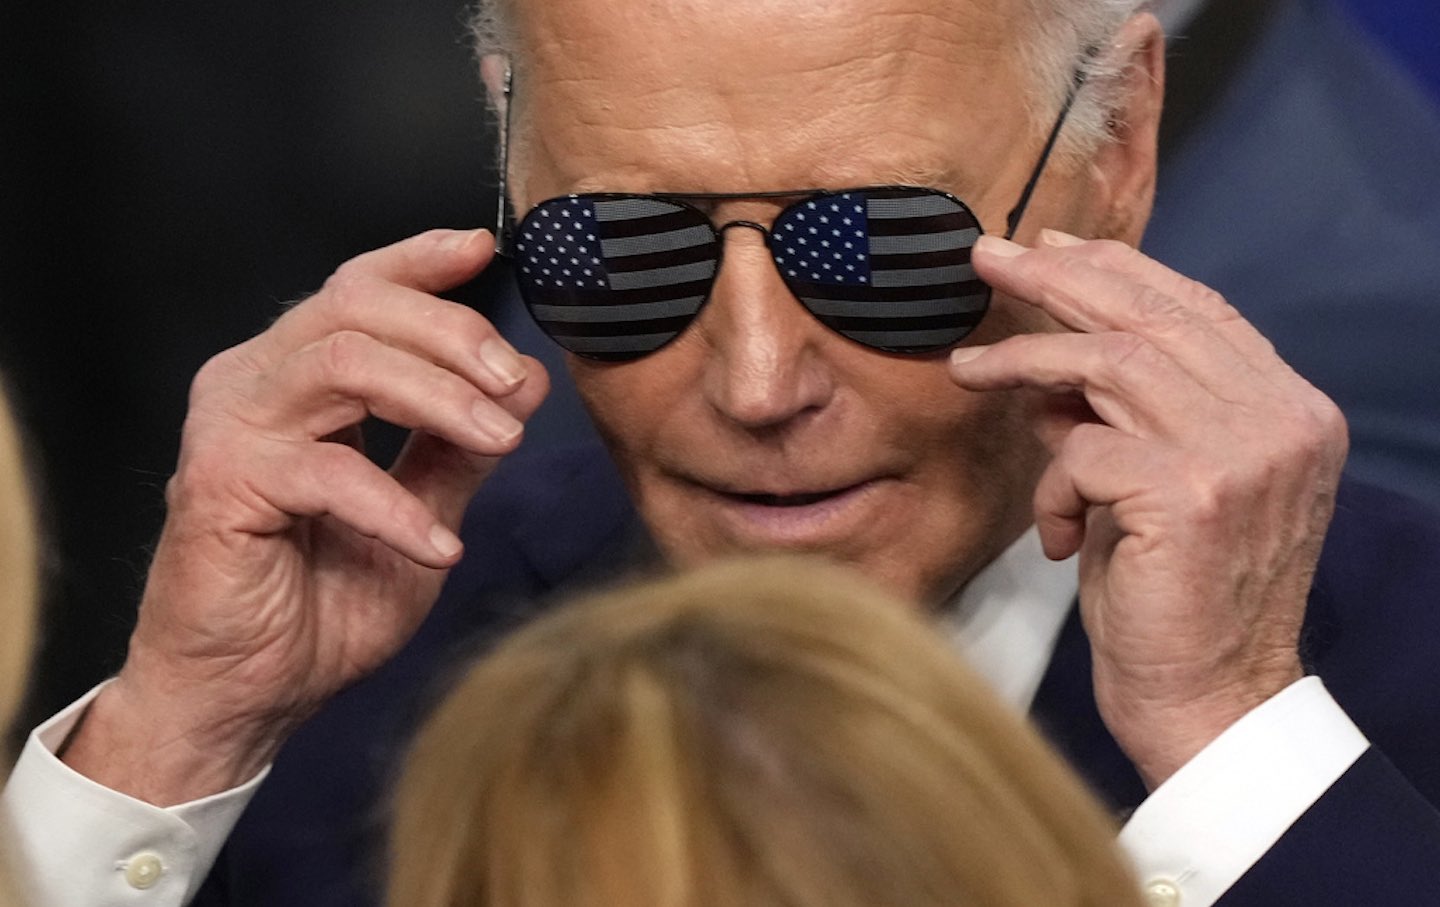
{"x":631,"y":403}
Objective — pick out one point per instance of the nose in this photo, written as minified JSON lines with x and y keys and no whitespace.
{"x":766,"y":367}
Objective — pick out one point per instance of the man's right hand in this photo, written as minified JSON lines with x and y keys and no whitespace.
{"x":290,"y":565}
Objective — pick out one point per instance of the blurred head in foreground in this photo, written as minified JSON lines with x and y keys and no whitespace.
{"x":19,"y":581}
{"x":19,"y":572}
{"x":755,"y":733}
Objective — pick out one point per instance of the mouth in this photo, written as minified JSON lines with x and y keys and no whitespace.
{"x":800,"y":519}
{"x":788,"y":500}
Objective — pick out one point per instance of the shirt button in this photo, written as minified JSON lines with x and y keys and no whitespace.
{"x":143,"y":870}
{"x":1162,"y":893}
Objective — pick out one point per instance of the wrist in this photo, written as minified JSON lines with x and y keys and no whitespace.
{"x":165,"y":749}
{"x":1163,"y":729}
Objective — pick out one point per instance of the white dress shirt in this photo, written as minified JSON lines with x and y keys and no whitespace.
{"x":77,"y":843}
{"x":1201,"y":830}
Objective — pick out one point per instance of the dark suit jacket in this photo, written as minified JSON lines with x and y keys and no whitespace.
{"x":547,"y":523}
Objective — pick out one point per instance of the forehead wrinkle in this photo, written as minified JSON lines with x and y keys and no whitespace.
{"x":634,"y":115}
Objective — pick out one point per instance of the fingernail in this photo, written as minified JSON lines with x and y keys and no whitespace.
{"x":495,"y":422}
{"x":460,"y":240}
{"x":1059,"y":239}
{"x":967,"y":354}
{"x":502,"y":361}
{"x":445,"y":542}
{"x":1004,"y":248}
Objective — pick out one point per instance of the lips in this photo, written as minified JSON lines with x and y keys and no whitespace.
{"x":803,"y":499}
{"x":801,"y":518}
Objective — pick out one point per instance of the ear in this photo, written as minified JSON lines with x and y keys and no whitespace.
{"x":1124,"y":169}
{"x":493,"y":68}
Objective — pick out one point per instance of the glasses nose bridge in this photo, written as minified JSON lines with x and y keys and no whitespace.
{"x":763,"y":230}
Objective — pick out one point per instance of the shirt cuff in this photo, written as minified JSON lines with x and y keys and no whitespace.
{"x":77,"y":842}
{"x":1203,"y":829}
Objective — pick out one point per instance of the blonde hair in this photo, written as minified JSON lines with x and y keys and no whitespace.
{"x":755,"y":733}
{"x":19,"y":589}
{"x":19,"y":571}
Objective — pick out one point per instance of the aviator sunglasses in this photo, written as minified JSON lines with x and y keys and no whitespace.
{"x":615,"y":276}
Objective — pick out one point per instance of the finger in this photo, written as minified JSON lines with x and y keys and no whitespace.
{"x":314,"y":480}
{"x":445,"y":477}
{"x":1127,"y":381}
{"x":1131,"y":262}
{"x":336,"y":382}
{"x":1091,"y":300}
{"x":448,"y":334}
{"x":432,"y":262}
{"x":1097,"y":466}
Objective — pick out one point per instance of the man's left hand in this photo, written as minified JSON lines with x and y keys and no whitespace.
{"x":1196,"y":481}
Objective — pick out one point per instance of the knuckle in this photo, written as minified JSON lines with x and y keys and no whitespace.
{"x":342,"y":354}
{"x":208,"y":377}
{"x":1209,"y":495}
{"x":346,"y":288}
{"x":1159,"y":311}
{"x":1126,"y":354}
{"x":1109,"y":252}
{"x":1212,"y":300}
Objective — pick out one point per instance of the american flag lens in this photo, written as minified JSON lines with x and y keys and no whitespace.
{"x":614,"y":276}
{"x":889,"y":268}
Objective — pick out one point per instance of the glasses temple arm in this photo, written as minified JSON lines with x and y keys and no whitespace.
{"x":1012,"y":222}
{"x":502,"y":202}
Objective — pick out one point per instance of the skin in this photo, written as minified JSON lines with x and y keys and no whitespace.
{"x":1127,"y":411}
{"x":758,"y":398}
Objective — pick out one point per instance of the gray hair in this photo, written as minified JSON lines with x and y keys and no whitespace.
{"x":1062,"y":33}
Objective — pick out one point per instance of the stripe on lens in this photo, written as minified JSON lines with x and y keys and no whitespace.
{"x":915,"y":277}
{"x":908,"y":339}
{"x":632,"y":343}
{"x":662,"y":277}
{"x":629,"y":208}
{"x":949,"y":241}
{"x":639,"y":311}
{"x":920,"y":308}
{"x":924,"y":204}
{"x":657,"y":242}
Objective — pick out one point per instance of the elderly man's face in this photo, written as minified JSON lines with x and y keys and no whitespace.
{"x":759,"y":428}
